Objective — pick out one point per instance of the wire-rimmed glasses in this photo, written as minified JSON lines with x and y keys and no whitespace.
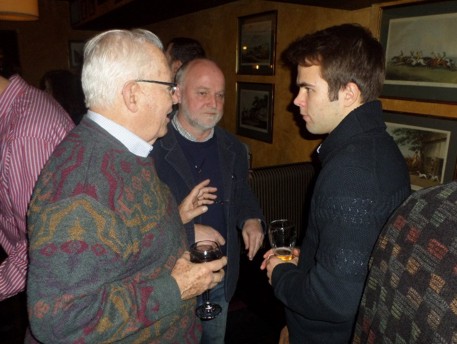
{"x":171,"y":85}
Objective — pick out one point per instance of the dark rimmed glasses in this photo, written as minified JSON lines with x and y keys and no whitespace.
{"x":171,"y":85}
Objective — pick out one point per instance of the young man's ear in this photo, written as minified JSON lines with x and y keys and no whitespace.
{"x":352,"y":94}
{"x":130,"y":94}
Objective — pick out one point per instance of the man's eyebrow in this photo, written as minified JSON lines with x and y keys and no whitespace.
{"x":304,"y":84}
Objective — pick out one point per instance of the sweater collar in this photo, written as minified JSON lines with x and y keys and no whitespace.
{"x":184,"y":133}
{"x":366,"y":117}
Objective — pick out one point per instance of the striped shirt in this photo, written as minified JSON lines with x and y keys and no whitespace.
{"x":32,"y":123}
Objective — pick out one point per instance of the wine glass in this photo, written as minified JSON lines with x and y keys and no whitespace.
{"x":282,"y":235}
{"x":201,"y":252}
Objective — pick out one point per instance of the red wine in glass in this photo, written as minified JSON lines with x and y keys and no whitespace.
{"x":201,"y":252}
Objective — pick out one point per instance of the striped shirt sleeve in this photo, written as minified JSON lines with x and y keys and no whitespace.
{"x":32,"y":126}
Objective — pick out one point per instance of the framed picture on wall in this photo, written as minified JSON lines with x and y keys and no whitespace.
{"x":257,"y":44}
{"x":428,"y":144}
{"x":255,"y":110}
{"x":421,"y":56}
{"x":76,"y":53}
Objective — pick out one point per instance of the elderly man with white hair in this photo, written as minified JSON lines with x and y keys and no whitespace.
{"x":108,"y":259}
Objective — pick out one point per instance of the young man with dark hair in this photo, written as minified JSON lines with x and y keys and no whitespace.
{"x":363,"y":179}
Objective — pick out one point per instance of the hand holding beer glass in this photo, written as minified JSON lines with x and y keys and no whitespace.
{"x":282,"y":235}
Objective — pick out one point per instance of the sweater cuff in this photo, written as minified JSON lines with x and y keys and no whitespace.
{"x":169,"y":291}
{"x":279,"y":271}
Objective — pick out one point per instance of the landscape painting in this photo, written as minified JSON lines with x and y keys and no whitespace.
{"x":429,"y":146}
{"x":421,"y":56}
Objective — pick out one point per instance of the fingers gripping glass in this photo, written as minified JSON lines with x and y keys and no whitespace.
{"x":201,"y":252}
{"x":171,"y":85}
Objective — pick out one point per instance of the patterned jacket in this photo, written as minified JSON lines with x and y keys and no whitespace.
{"x":411,"y":291}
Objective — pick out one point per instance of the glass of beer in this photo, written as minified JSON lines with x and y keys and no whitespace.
{"x":282,"y":235}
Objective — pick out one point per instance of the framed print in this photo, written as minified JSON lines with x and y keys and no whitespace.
{"x":257,"y":44}
{"x":76,"y":54}
{"x":255,"y":111}
{"x":428,"y":144}
{"x":421,"y":55}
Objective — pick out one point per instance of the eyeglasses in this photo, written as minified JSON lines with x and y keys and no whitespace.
{"x":171,"y":85}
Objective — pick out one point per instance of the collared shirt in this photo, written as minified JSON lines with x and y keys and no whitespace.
{"x":184,"y":133}
{"x":31,"y":126}
{"x":132,"y":142}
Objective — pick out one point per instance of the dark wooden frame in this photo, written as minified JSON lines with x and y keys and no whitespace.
{"x":421,"y":58}
{"x":76,"y":53}
{"x":259,"y":29}
{"x":429,"y":130}
{"x":255,"y":110}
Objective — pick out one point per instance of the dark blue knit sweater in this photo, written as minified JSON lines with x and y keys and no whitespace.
{"x":363,"y":179}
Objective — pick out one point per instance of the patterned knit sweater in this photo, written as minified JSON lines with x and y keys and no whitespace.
{"x":105,"y":234}
{"x":411,"y":291}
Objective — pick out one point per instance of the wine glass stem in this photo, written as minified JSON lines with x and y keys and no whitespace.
{"x":206,"y":296}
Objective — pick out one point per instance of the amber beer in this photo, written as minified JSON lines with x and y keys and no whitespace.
{"x":284,"y":253}
{"x":282,"y":235}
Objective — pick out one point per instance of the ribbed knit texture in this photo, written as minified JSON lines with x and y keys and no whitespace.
{"x":362,"y":180}
{"x":105,"y":234}
{"x":411,"y":291}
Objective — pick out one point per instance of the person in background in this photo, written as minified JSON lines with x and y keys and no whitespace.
{"x":181,"y":50}
{"x":32,"y":124}
{"x":196,"y":149}
{"x":66,"y":88}
{"x":108,"y":259}
{"x":363,"y":179}
{"x":411,"y":289}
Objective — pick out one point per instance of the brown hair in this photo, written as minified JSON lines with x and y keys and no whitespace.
{"x":346,"y":53}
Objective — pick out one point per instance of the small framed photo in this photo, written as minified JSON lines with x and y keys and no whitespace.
{"x":428,"y":144}
{"x":257,"y":44}
{"x":421,"y":56}
{"x":76,"y":53}
{"x":255,"y":110}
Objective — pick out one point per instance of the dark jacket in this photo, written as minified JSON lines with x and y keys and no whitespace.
{"x":240,"y":203}
{"x":364,"y":178}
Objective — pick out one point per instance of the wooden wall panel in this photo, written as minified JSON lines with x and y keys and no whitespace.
{"x":43,"y":45}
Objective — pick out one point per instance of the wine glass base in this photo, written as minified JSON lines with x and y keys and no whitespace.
{"x":208,"y":311}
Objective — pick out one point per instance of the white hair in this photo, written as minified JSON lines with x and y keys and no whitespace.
{"x":113,"y":58}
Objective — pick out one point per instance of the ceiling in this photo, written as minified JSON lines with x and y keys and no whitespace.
{"x":142,"y":12}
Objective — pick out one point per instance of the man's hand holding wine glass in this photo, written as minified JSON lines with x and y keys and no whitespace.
{"x":193,"y":279}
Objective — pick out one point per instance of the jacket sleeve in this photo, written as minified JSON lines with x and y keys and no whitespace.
{"x":247,"y":204}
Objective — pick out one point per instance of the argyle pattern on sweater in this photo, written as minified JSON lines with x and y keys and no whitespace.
{"x":105,"y":234}
{"x":411,"y":291}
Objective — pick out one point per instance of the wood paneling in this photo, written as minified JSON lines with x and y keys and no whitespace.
{"x":43,"y":45}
